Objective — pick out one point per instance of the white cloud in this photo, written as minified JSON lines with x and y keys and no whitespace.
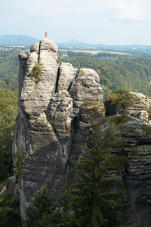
{"x":130,"y":10}
{"x":111,"y":9}
{"x":134,"y":10}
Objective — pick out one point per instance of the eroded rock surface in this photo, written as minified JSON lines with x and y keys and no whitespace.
{"x":133,"y":140}
{"x":56,"y":113}
{"x":140,"y":101}
{"x":34,"y":97}
{"x":86,"y":86}
{"x":48,"y":117}
{"x":67,"y":74}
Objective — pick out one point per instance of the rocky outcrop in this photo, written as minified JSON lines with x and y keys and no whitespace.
{"x":54,"y":116}
{"x":91,"y":112}
{"x":133,"y":140}
{"x":133,"y":103}
{"x":87,"y":85}
{"x":139,"y":102}
{"x":143,"y":115}
{"x":34,"y":98}
{"x":48,"y":116}
{"x":67,"y":74}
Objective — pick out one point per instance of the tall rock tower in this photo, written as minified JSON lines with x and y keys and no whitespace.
{"x":56,"y":103}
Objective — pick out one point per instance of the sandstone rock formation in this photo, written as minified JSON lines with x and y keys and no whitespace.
{"x":54,"y":116}
{"x":140,"y":101}
{"x":132,"y":103}
{"x":132,"y":139}
{"x":47,"y":120}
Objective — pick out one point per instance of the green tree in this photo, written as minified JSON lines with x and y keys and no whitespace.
{"x":116,"y":71}
{"x":9,"y":209}
{"x":43,"y":213}
{"x":95,"y":199}
{"x":8,"y":112}
{"x":9,"y":68}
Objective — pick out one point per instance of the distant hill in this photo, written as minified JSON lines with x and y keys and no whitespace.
{"x":26,"y":41}
{"x":131,"y":49}
{"x":17,"y":40}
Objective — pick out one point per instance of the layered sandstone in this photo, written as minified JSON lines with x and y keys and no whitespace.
{"x":48,"y":113}
{"x":54,"y":116}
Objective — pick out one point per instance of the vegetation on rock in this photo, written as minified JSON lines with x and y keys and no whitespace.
{"x":36,"y":73}
{"x":94,"y":105}
{"x":94,"y":200}
{"x":128,"y":72}
{"x":149,"y":114}
{"x":147,"y":129}
{"x":118,"y":102}
{"x":95,"y":197}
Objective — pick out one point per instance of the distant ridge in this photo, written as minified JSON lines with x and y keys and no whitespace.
{"x":127,"y":48}
{"x":27,"y":41}
{"x":17,"y":40}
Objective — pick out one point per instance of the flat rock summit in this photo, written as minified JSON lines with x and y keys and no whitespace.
{"x":55,"y":111}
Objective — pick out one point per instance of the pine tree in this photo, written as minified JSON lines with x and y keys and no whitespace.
{"x":95,"y":199}
{"x":42,"y":213}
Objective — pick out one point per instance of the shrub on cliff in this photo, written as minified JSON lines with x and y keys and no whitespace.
{"x":119,"y":102}
{"x":36,"y":73}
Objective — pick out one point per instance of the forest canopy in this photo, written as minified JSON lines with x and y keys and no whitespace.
{"x":116,"y":72}
{"x":8,"y":112}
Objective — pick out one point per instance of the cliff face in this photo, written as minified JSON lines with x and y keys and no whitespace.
{"x":54,"y":116}
{"x":47,"y":122}
{"x":132,"y":138}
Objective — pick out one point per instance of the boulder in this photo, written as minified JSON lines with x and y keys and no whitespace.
{"x":86,"y":86}
{"x":67,"y":74}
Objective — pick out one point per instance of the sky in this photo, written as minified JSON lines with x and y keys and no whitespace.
{"x":91,"y":21}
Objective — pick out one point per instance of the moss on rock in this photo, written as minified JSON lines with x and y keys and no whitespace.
{"x":93,"y":105}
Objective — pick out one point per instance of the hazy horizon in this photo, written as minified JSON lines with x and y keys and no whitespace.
{"x":80,"y":41}
{"x":111,"y":22}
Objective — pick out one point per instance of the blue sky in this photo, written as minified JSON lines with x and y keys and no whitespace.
{"x":95,"y":21}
